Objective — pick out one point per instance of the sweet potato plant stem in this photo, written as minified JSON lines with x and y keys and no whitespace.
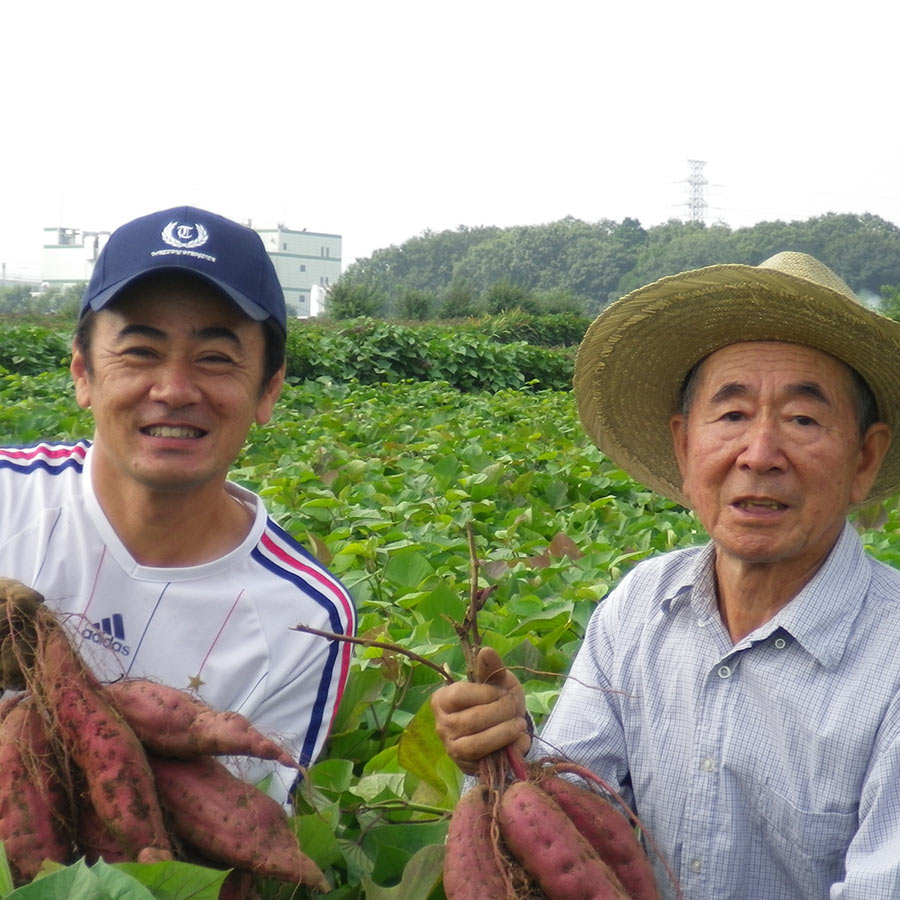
{"x":384,"y":645}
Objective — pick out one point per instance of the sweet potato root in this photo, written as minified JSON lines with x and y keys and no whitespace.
{"x":100,"y":743}
{"x":608,"y":832}
{"x":232,"y":822}
{"x":33,"y":802}
{"x":94,"y":839}
{"x":113,"y":804}
{"x":154,"y":854}
{"x":471,"y":868}
{"x":171,"y":723}
{"x":548,"y":845}
{"x":19,"y":606}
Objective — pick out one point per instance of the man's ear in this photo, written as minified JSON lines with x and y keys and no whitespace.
{"x":80,"y":378}
{"x":269,"y":396}
{"x":678,"y":430}
{"x":872,"y":451}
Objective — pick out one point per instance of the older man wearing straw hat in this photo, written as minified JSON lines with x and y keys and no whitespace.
{"x":744,"y":696}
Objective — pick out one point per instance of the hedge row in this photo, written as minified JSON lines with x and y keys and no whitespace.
{"x":475,"y":355}
{"x":371,"y":351}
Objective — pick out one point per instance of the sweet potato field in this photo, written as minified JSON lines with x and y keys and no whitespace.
{"x":380,"y":481}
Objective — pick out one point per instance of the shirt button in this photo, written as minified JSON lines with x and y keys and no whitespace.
{"x":708,"y":764}
{"x":701,"y":623}
{"x":696,"y":866}
{"x":724,"y":672}
{"x":780,"y":643}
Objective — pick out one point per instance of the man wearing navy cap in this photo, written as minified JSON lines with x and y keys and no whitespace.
{"x":168,"y":570}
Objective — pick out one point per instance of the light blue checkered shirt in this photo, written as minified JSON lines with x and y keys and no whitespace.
{"x":768,"y":769}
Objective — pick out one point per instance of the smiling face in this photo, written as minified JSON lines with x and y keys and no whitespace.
{"x":771,"y":454}
{"x":174,"y":382}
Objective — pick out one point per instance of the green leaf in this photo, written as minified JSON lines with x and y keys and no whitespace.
{"x":333,"y":776}
{"x":317,"y":838}
{"x":408,"y":568}
{"x":78,"y":882}
{"x":6,"y":881}
{"x":165,"y":880}
{"x":421,"y":752}
{"x":421,"y":875}
{"x":359,"y":865}
{"x":380,"y":786}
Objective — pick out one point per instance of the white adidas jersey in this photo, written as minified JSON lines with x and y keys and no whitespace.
{"x":221,"y":630}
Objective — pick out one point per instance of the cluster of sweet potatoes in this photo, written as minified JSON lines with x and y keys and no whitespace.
{"x":125,"y":771}
{"x":539,"y":835}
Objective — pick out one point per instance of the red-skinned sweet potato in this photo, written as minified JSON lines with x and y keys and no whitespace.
{"x":33,"y":802}
{"x":471,"y":869}
{"x":101,"y":744}
{"x":546,"y":843}
{"x":232,"y":822}
{"x":171,"y":723}
{"x":609,"y":832}
{"x":94,"y":839}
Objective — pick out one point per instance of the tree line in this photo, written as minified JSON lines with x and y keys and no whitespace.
{"x":568,"y":266}
{"x":20,"y":299}
{"x":576,"y":266}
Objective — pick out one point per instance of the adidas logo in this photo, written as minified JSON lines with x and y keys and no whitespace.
{"x":108,"y":633}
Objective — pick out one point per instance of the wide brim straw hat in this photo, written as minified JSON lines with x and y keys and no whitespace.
{"x":634,"y":357}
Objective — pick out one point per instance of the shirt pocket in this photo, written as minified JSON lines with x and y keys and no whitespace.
{"x":805,"y":839}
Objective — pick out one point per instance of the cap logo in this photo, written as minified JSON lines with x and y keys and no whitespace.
{"x":185,"y":236}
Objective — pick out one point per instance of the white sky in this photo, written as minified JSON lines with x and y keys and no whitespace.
{"x":377,"y":120}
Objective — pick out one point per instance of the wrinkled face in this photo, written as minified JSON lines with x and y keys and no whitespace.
{"x":175,"y":383}
{"x":771,"y":455}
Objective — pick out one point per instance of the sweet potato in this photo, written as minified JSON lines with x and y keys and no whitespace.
{"x":544,"y":840}
{"x":94,"y":839}
{"x":33,"y":802}
{"x":100,"y":743}
{"x":171,"y":723}
{"x":154,"y":854}
{"x":19,"y":606}
{"x":609,"y":832}
{"x":9,"y":703}
{"x":471,"y":868}
{"x":232,"y":822}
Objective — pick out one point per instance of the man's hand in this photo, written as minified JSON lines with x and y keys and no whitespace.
{"x":475,"y":719}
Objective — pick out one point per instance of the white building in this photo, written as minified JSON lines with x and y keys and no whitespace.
{"x":69,"y":254}
{"x":306,"y":262}
{"x":303,"y":260}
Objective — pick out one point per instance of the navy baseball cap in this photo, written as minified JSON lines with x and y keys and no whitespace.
{"x":229,"y":256}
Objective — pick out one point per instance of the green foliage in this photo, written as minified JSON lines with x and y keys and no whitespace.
{"x":558,"y":301}
{"x":30,"y":349}
{"x":34,"y":407}
{"x":503,"y":296}
{"x":14,"y":298}
{"x":863,"y":249}
{"x":577,"y":266}
{"x":458,"y":301}
{"x":21,"y":300}
{"x":423,"y":263}
{"x":155,"y":881}
{"x":367,"y":350}
{"x":415,"y":304}
{"x":890,"y":301}
{"x":346,"y":300}
{"x":555,"y":330}
{"x":584,"y":259}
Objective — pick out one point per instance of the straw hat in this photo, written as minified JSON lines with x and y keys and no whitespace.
{"x":634,"y":357}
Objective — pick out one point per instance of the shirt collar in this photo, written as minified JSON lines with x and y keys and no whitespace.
{"x":820,"y":617}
